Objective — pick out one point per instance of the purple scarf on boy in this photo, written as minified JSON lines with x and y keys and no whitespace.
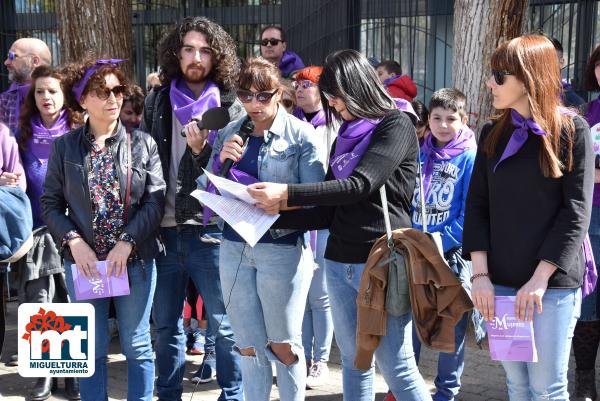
{"x":465,"y":140}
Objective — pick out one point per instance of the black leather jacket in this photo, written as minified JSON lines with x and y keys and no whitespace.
{"x":66,"y":203}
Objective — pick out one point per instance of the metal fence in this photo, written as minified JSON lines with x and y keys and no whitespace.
{"x":416,"y":33}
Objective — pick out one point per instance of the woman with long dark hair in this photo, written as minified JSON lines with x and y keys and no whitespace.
{"x":376,"y":145}
{"x":44,"y":117}
{"x":103,"y":201}
{"x":528,"y":209}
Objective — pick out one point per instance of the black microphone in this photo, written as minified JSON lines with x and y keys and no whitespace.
{"x":215,"y":118}
{"x":245,"y":130}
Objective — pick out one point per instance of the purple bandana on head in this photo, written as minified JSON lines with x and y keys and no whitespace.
{"x":79,"y":87}
{"x":185,"y":106}
{"x":519,"y":135}
{"x":290,"y":62}
{"x":317,"y":120}
{"x":464,"y":140}
{"x":42,"y":137}
{"x":353,"y":140}
{"x":21,"y":90}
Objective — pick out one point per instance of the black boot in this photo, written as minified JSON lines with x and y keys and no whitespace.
{"x":42,"y":389}
{"x":72,"y":388}
{"x":585,"y":385}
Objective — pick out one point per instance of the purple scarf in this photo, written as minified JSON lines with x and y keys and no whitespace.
{"x":405,"y":106}
{"x":353,"y":140}
{"x":42,"y":137}
{"x":317,"y":120}
{"x":592,"y":115}
{"x":290,"y":62}
{"x":21,"y":90}
{"x":465,"y":140}
{"x":184,"y":105}
{"x":389,"y":80}
{"x":519,"y":135}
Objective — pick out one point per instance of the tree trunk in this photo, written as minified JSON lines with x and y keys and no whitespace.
{"x":101,"y":28}
{"x":479,"y":27}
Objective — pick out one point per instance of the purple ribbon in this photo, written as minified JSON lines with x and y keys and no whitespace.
{"x":519,"y":135}
{"x":352,"y":142}
{"x":79,"y":87}
{"x":185,"y":106}
{"x":42,"y":137}
{"x":317,"y":120}
{"x":464,"y":140}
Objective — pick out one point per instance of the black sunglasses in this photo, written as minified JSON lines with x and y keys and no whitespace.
{"x":500,"y":76}
{"x":263,"y":97}
{"x":104,"y":93}
{"x":272,"y":41}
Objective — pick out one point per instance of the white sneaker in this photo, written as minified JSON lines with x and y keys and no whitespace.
{"x":318,"y":375}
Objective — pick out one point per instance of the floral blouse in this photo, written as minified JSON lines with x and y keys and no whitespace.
{"x":107,"y":208}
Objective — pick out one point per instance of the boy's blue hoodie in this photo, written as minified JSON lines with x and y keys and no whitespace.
{"x":447,"y":172}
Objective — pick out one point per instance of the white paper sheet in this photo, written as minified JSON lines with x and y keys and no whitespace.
{"x":236,"y":207}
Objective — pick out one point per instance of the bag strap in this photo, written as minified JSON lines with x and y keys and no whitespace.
{"x":128,"y":189}
{"x":384,"y":205}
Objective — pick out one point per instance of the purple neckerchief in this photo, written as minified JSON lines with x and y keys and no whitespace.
{"x":352,"y":142}
{"x":21,"y":90}
{"x":566,"y":85}
{"x":42,"y":137}
{"x":592,"y":115}
{"x":519,"y":135}
{"x":405,"y":106}
{"x":590,"y":277}
{"x":185,"y":106}
{"x":79,"y":87}
{"x":290,"y":62}
{"x":234,"y":174}
{"x":317,"y":120}
{"x":389,"y":80}
{"x":464,"y":140}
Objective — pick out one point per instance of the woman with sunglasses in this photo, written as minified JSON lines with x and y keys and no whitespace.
{"x":528,"y":209}
{"x":265,"y":286}
{"x":317,"y":327}
{"x":375,"y":146}
{"x":103,"y":201}
{"x":44,"y":117}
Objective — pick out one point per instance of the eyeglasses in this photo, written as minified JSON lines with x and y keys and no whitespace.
{"x":304,"y":84}
{"x":12,"y":55}
{"x":262,"y":97}
{"x":272,"y":41}
{"x":500,"y":76}
{"x":104,"y":93}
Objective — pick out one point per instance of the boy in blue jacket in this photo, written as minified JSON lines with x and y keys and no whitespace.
{"x":447,"y":158}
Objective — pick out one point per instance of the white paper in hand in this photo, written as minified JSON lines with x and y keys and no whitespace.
{"x":230,"y":189}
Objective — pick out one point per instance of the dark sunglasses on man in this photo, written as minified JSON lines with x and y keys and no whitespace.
{"x":272,"y":41}
{"x":500,"y":76}
{"x":246,"y":96}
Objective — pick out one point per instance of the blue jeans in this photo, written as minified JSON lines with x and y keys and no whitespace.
{"x":394,"y":356}
{"x":317,"y":326}
{"x":191,"y":251}
{"x":266,"y":288}
{"x":553,"y":330}
{"x":133,"y":316}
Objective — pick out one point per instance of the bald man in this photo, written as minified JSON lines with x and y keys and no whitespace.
{"x":24,"y":55}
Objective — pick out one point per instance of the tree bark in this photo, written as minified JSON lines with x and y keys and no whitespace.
{"x":479,"y":27}
{"x":101,"y":28}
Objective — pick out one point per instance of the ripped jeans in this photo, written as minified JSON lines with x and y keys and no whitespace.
{"x":265,"y":290}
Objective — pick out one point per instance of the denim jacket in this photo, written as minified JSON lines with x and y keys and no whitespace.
{"x":291,"y":153}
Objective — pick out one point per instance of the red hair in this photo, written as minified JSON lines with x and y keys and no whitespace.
{"x":311,"y":73}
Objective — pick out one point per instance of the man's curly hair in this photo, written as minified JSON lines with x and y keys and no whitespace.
{"x":226,"y":65}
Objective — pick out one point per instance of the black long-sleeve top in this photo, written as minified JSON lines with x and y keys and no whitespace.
{"x":520,"y":217}
{"x":351,"y":207}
